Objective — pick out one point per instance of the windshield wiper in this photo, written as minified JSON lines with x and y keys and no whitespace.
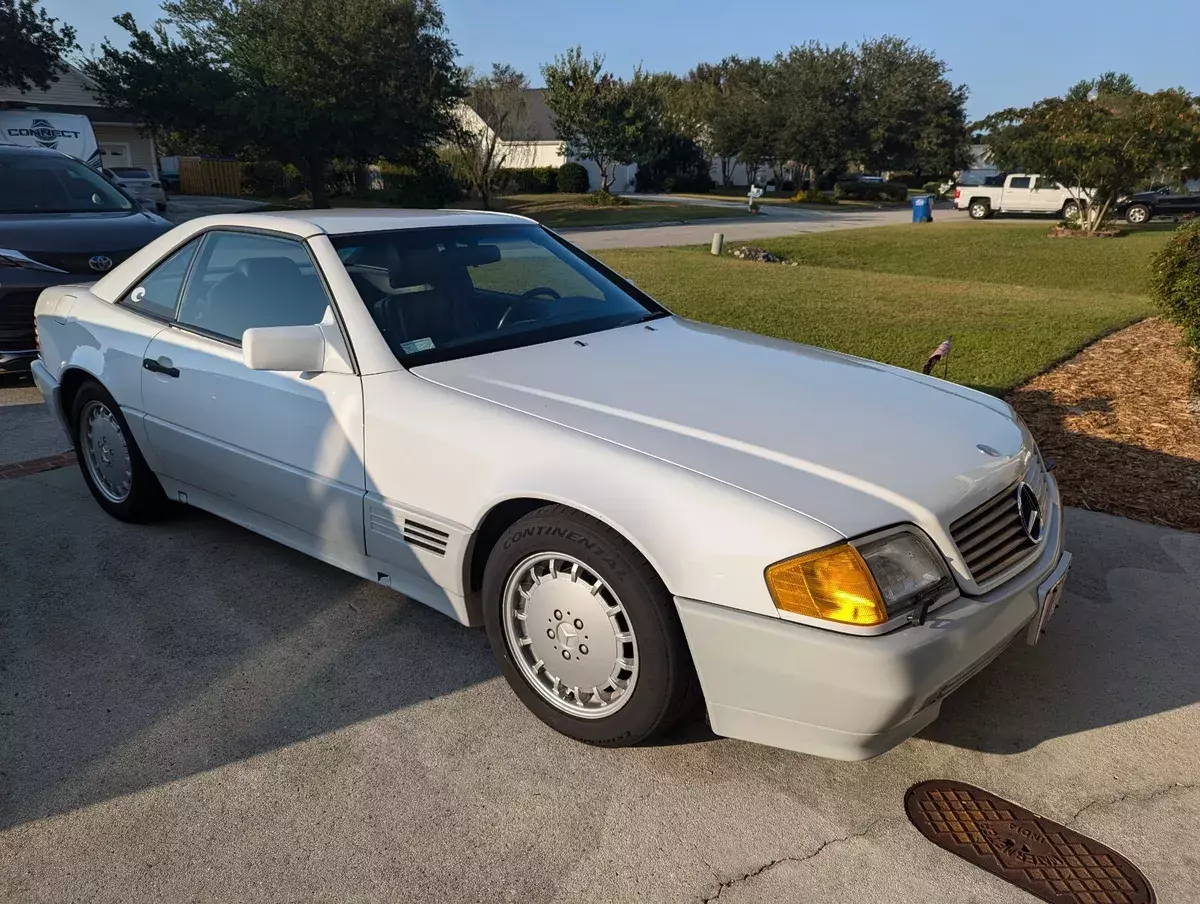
{"x":650,"y":315}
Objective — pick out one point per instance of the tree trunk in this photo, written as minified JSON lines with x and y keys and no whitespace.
{"x":316,"y":182}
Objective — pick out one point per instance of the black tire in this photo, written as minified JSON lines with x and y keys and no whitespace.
{"x":1070,"y":210}
{"x":979,"y":209}
{"x":145,"y":500}
{"x":1137,"y":214}
{"x":666,"y":687}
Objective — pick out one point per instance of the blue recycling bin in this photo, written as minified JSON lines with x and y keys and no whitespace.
{"x":922,"y":207}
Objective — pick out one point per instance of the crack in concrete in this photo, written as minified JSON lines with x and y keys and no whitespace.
{"x":1139,"y":796}
{"x":770,"y":865}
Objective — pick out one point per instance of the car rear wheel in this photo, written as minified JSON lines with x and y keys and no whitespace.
{"x":1070,"y":210}
{"x":1137,"y":214}
{"x":112,"y":465}
{"x":584,"y":630}
{"x":979,"y":210}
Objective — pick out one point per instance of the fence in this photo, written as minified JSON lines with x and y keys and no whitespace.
{"x":202,"y":176}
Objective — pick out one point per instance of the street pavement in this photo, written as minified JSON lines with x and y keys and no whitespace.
{"x":774,"y":221}
{"x":191,"y":712}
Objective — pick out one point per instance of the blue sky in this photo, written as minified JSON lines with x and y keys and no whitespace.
{"x":1009,"y":53}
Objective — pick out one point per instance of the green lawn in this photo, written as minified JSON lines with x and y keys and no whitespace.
{"x":557,"y":211}
{"x":564,"y":211}
{"x":1013,"y":301}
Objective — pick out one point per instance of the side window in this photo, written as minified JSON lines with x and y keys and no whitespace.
{"x":158,"y":292}
{"x":243,"y":280}
{"x":1046,"y":184}
{"x":1019,"y":182}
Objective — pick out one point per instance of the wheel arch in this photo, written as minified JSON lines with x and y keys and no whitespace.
{"x":503,"y":515}
{"x":69,"y":382}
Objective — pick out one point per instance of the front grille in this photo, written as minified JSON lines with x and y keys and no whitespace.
{"x":77,"y":261}
{"x":16,"y":319}
{"x":990,"y":538}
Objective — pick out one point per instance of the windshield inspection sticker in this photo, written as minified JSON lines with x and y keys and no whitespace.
{"x":417,"y":345}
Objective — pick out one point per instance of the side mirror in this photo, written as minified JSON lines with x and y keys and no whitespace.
{"x":289,"y":348}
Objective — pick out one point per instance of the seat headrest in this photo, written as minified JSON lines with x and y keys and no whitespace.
{"x":269,"y":269}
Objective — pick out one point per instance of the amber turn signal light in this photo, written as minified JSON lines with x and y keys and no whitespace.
{"x":833,"y":584}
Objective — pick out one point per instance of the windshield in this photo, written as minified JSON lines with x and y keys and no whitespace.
{"x":48,"y":183}
{"x":131,"y":172}
{"x":438,"y":294}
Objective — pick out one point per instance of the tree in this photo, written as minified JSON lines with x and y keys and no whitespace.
{"x":1103,"y":140}
{"x":911,"y":117}
{"x":816,"y":91}
{"x":32,"y":46}
{"x":702,"y":97}
{"x":598,"y":116}
{"x":498,"y":100}
{"x":299,"y":81}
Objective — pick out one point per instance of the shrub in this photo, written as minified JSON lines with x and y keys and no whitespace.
{"x":812,"y":196}
{"x":573,"y":178}
{"x":932,"y":188}
{"x":870,"y":191}
{"x":605,"y":198}
{"x":534,"y":180}
{"x":1175,"y":282}
{"x":429,"y":186}
{"x":271,"y":178}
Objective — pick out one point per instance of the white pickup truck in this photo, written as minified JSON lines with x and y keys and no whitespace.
{"x":1020,"y":193}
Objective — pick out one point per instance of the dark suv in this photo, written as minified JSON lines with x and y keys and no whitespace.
{"x":60,"y":222}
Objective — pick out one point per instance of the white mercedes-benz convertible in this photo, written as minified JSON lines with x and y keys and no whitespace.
{"x":642,"y":510}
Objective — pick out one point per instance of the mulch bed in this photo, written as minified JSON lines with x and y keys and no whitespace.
{"x":1123,"y":423}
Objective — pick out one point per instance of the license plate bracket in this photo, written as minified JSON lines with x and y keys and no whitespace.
{"x":1050,"y":593}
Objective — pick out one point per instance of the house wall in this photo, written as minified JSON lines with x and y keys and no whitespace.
{"x":738,"y":174}
{"x":71,"y":88}
{"x":140,"y":150}
{"x":535,"y":153}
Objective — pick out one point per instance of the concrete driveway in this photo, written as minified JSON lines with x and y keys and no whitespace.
{"x":181,"y":208}
{"x":191,"y":712}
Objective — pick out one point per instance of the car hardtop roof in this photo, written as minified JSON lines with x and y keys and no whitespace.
{"x":349,"y":221}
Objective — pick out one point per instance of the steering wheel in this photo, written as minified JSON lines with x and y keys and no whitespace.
{"x":526,"y":296}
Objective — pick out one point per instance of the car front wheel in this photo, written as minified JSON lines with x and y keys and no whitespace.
{"x":584,"y":630}
{"x":112,"y":465}
{"x":1137,"y":214}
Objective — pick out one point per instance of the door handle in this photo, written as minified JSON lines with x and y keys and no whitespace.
{"x":159,"y":368}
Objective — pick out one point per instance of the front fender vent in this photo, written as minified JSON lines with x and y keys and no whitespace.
{"x":425,"y":537}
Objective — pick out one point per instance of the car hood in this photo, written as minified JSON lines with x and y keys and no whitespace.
{"x":856,"y":444}
{"x":94,"y":233}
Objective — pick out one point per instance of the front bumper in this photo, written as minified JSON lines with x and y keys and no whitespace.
{"x":19,"y":291}
{"x":852,"y":697}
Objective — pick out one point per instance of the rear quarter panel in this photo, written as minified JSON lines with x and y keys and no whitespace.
{"x":79,"y":332}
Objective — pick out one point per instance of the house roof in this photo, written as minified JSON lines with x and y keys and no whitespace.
{"x":536,"y":125}
{"x":74,"y":92}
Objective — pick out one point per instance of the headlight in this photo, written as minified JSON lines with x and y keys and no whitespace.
{"x":858,"y":584}
{"x":904,"y":567}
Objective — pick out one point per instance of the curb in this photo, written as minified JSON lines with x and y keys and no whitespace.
{"x":36,"y":465}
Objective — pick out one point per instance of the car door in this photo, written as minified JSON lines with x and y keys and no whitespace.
{"x":1018,"y":194}
{"x":282,"y":452}
{"x":1047,"y":195}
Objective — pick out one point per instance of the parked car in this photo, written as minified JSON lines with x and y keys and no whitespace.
{"x":140,"y":184}
{"x":1019,"y":193}
{"x":640,"y":509}
{"x":1164,"y":201}
{"x":60,"y":222}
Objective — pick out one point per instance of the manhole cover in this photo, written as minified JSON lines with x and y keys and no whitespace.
{"x":1046,"y":859}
